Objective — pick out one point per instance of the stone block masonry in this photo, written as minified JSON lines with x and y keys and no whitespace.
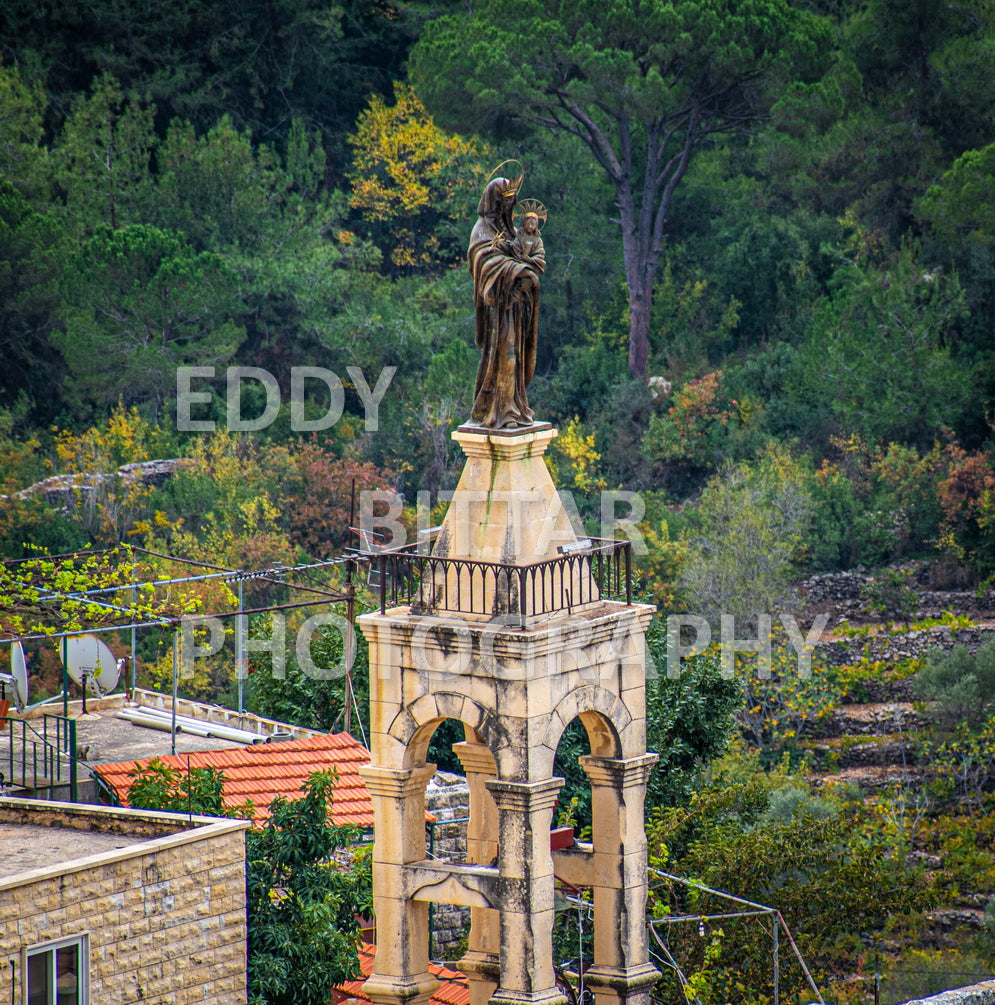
{"x":164,"y":912}
{"x":447,"y":798}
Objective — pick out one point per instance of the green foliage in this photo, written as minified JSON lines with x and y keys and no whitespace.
{"x":144,"y":302}
{"x":303,"y":900}
{"x":689,"y":722}
{"x":888,"y":594}
{"x":852,"y":678}
{"x":103,"y":158}
{"x":219,"y":189}
{"x":157,"y":786}
{"x":703,"y":428}
{"x":23,"y":158}
{"x":921,"y":973}
{"x":963,"y":842}
{"x":777,"y":713}
{"x":961,"y":684}
{"x":960,"y":206}
{"x":749,"y":531}
{"x":40,"y":595}
{"x":644,"y":86}
{"x":766,"y":838}
{"x":32,"y":256}
{"x":314,"y":699}
{"x":905,"y":307}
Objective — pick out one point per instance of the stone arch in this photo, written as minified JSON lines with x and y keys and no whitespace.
{"x":603,"y":714}
{"x":414,"y":726}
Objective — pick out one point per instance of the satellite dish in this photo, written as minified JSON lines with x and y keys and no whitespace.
{"x":19,"y":671}
{"x":17,"y":679}
{"x":91,"y":664}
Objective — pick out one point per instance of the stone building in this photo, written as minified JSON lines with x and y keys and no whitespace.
{"x":108,"y":906}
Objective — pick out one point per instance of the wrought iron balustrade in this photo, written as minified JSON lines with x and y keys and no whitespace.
{"x":432,"y":583}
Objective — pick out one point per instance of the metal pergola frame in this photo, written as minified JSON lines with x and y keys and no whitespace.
{"x":754,"y":910}
{"x":131,"y":622}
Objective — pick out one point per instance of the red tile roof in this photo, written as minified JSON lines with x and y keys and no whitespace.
{"x":453,"y":989}
{"x":263,"y":771}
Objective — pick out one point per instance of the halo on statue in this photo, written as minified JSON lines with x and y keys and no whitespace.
{"x":514,"y":183}
{"x":530,"y":207}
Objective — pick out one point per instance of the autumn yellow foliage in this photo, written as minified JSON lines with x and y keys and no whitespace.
{"x":409,"y":174}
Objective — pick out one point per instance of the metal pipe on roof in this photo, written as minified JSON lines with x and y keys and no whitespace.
{"x":162,"y":719}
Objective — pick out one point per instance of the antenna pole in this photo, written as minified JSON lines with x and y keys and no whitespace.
{"x":240,"y":646}
{"x":134,"y":645}
{"x":65,"y":676}
{"x":176,"y":684}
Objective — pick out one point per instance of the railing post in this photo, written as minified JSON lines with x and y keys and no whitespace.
{"x":628,"y":572}
{"x":73,"y":793}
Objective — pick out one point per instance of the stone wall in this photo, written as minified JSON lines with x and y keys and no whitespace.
{"x":975,"y":994}
{"x":844,"y":590}
{"x":165,"y":917}
{"x":892,"y":646}
{"x":447,"y":798}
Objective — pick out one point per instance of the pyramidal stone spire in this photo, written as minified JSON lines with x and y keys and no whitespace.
{"x":505,"y":508}
{"x":507,"y":513}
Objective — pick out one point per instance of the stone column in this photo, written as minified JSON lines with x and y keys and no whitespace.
{"x":621,"y":973}
{"x":400,"y":970}
{"x":525,"y":814}
{"x":482,"y":961}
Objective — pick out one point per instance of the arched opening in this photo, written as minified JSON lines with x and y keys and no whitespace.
{"x":573,"y":930}
{"x":463,"y":824}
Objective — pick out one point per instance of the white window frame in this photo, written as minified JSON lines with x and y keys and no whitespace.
{"x":82,"y":943}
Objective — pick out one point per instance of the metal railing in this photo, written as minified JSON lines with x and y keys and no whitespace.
{"x":44,"y":760}
{"x":431,"y":583}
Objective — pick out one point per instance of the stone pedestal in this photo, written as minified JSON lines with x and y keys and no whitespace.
{"x":515,"y":687}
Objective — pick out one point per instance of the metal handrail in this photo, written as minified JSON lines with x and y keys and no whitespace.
{"x":465,"y":586}
{"x":50,"y":754}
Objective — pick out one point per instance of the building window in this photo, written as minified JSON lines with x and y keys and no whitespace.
{"x":57,"y":973}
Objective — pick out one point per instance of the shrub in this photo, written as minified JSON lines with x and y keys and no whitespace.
{"x":962,"y":685}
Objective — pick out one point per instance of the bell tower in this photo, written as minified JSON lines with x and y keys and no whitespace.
{"x":514,"y":627}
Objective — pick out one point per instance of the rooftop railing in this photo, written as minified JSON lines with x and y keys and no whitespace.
{"x":42,"y":760}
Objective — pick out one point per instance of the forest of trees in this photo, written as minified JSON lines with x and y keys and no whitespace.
{"x":770,"y":260}
{"x":780,"y":210}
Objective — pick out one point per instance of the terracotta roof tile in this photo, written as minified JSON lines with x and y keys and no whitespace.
{"x":453,"y":989}
{"x":263,"y":771}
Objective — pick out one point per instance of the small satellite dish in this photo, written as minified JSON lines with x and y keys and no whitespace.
{"x":91,"y":664}
{"x":19,"y":671}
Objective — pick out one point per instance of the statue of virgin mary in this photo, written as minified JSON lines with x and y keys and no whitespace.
{"x":506,"y":294}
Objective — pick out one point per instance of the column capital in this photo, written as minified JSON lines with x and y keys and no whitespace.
{"x":397,"y":783}
{"x":504,"y":444}
{"x":617,"y":771}
{"x":525,"y":796}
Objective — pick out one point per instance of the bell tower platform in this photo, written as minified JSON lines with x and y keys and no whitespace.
{"x":511,"y":628}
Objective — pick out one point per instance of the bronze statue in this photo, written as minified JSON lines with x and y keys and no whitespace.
{"x":506,"y":265}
